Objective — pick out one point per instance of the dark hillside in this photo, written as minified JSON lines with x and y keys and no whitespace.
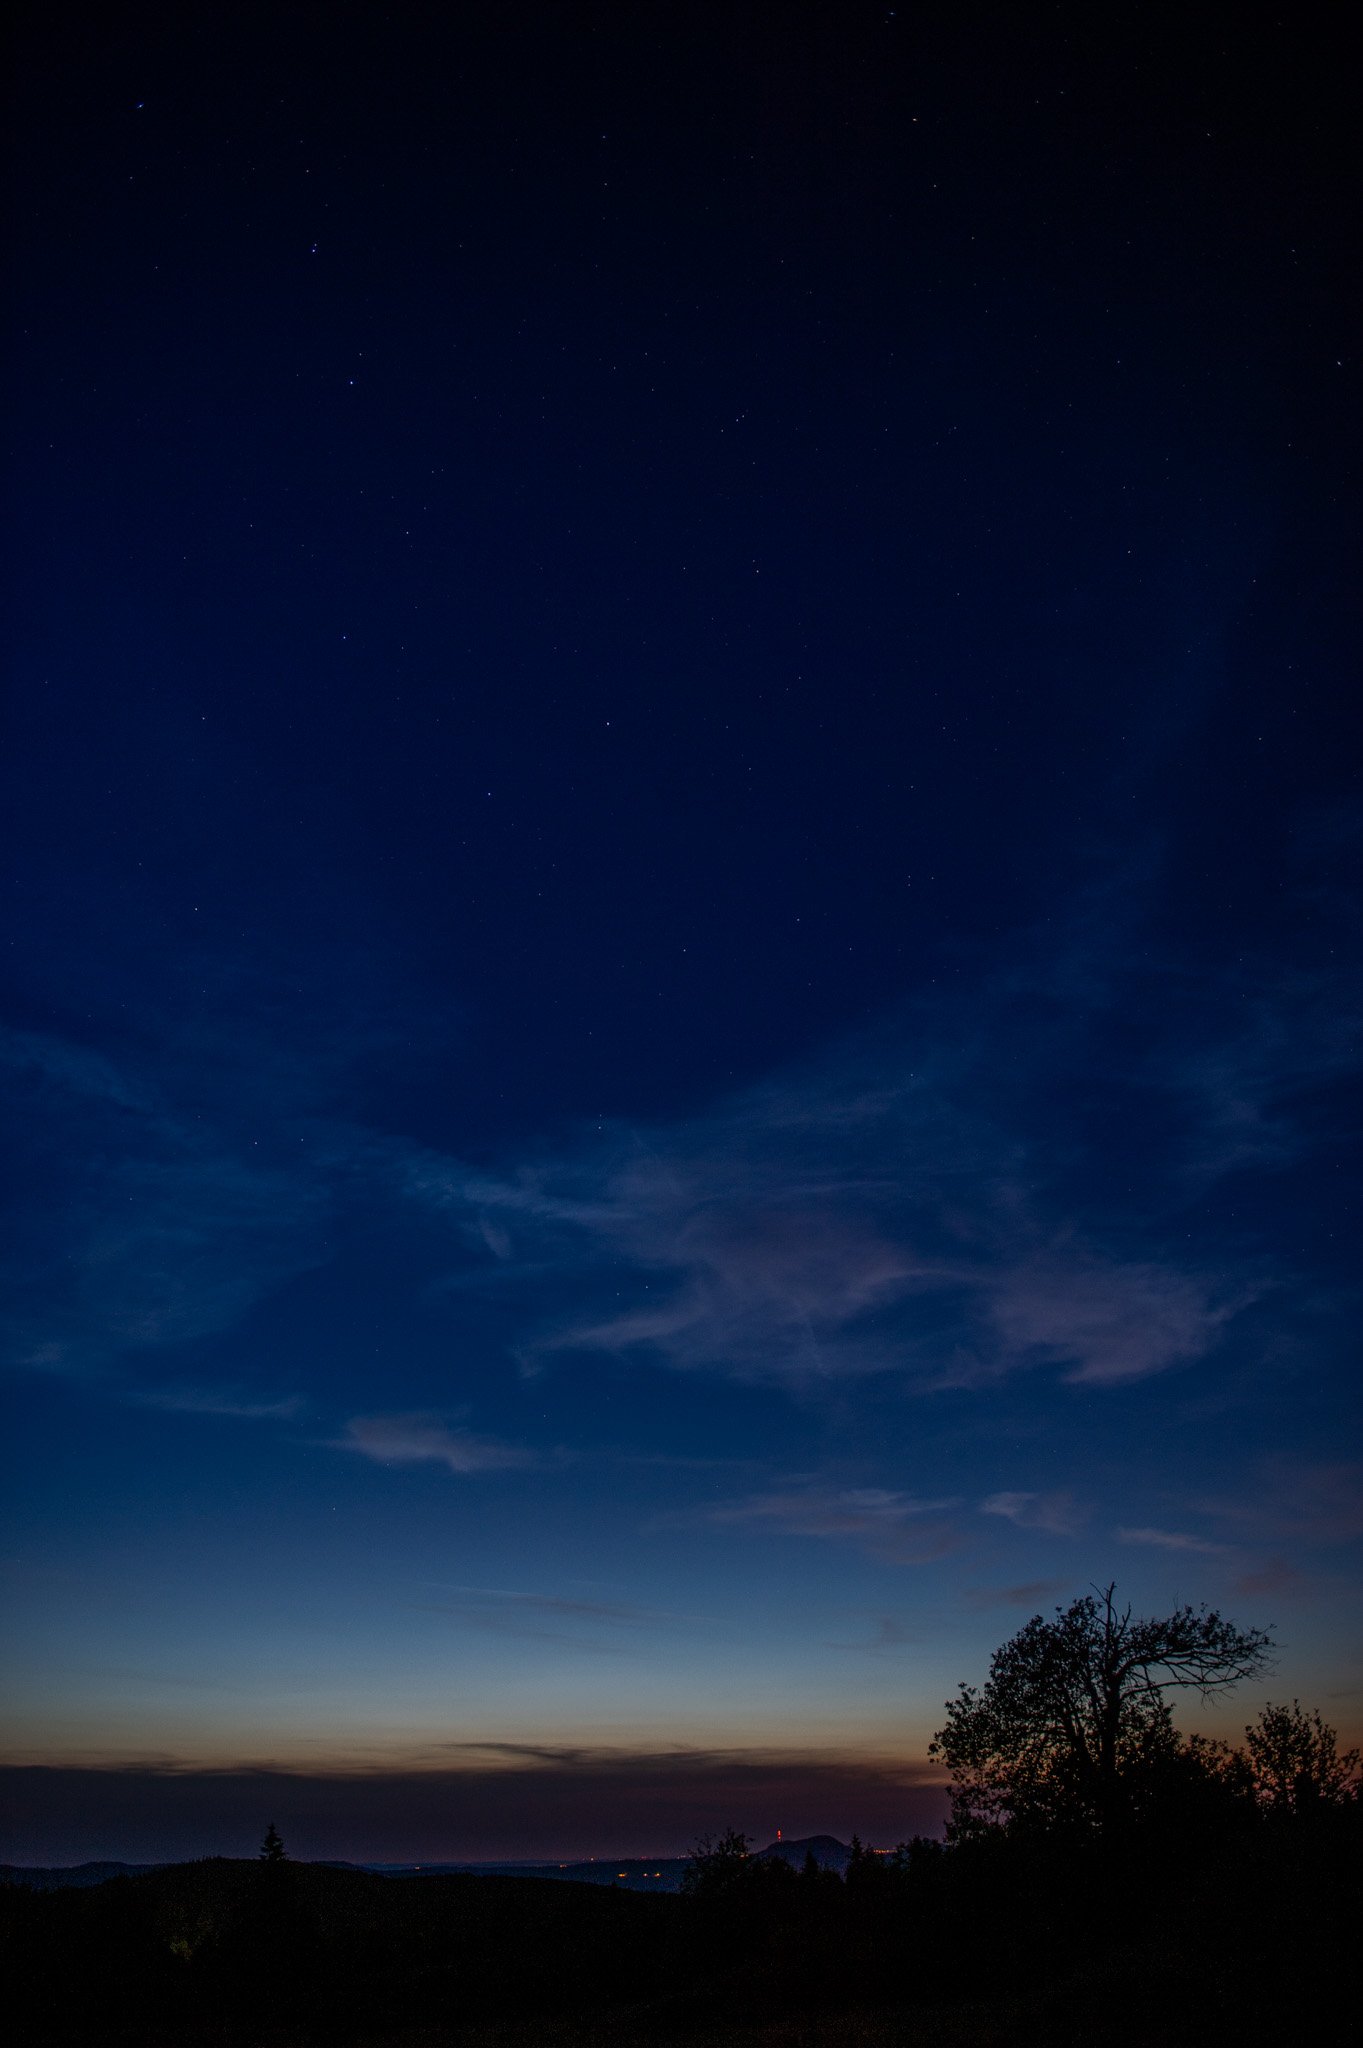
{"x":220,"y":1945}
{"x":1021,"y":1943}
{"x":60,"y":1877}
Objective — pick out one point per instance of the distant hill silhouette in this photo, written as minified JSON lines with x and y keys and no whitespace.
{"x":635,"y":1873}
{"x":828,"y":1852}
{"x":60,"y":1877}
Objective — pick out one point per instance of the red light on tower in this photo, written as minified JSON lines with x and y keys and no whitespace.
{"x":778,"y":1834}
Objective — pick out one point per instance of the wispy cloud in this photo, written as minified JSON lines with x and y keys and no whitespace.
{"x":593,"y":1625}
{"x":1107,"y":1322}
{"x":897,"y":1526}
{"x":1173,"y":1539}
{"x":156,"y":1230}
{"x":1294,"y":1509}
{"x":889,"y":1637}
{"x":1057,"y":1513}
{"x":224,"y":1401}
{"x":1308,"y":1503}
{"x":426,"y":1440}
{"x":1277,"y":1576}
{"x":487,"y":1599}
{"x":73,"y":1069}
{"x":850,"y":1511}
{"x":1245,"y":1087}
{"x":916,"y":1202}
{"x":1029,"y":1594}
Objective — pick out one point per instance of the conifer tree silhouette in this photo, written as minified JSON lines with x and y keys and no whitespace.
{"x":272,"y":1849}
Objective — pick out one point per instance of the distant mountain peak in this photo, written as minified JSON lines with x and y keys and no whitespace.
{"x":828,"y":1852}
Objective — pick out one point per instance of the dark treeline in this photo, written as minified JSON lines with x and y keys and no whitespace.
{"x":1232,"y":1926}
{"x":1213,"y":1919}
{"x":1105,"y":1879}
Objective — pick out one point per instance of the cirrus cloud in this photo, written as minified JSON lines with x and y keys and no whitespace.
{"x":915,"y":1202}
{"x":426,"y":1440}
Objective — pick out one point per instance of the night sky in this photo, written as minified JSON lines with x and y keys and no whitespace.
{"x":681,"y":842}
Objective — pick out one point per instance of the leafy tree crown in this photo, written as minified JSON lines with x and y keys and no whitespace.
{"x":1073,"y":1717}
{"x":1295,"y":1762}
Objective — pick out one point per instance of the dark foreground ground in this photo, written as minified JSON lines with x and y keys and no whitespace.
{"x":1250,"y":1946}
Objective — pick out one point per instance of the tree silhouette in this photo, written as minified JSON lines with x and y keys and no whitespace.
{"x":272,"y":1849}
{"x":1072,"y":1724}
{"x":1295,"y":1761}
{"x":716,"y":1866}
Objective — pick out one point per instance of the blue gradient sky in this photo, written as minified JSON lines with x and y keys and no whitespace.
{"x":682,"y":999}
